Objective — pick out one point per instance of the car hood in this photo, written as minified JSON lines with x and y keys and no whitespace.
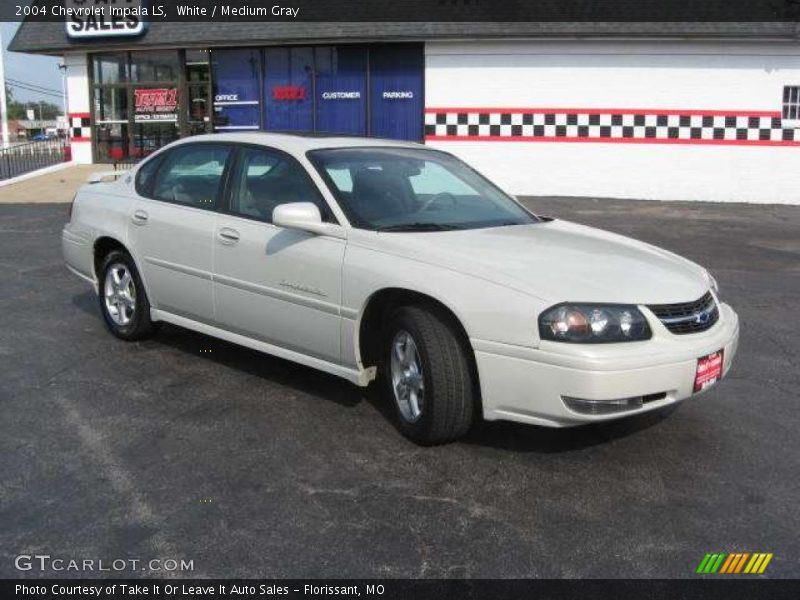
{"x":558,"y":261}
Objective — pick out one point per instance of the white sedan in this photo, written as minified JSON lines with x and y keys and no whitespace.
{"x":381,"y":259}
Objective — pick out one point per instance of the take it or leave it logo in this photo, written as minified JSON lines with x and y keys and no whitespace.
{"x":738,"y":562}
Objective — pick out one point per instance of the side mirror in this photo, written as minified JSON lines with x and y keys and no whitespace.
{"x":305,"y":216}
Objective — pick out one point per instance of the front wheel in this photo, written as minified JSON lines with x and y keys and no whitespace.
{"x":123,"y":300}
{"x":428,"y":375}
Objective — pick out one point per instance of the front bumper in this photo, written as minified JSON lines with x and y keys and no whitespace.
{"x":529,"y":385}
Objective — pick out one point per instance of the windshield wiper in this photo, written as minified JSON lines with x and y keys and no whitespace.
{"x":419,"y":227}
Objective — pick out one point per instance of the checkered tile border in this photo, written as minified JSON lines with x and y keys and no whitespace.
{"x":714,"y":127}
{"x":80,"y":125}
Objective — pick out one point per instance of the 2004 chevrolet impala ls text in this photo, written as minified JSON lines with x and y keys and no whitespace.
{"x":378,"y":259}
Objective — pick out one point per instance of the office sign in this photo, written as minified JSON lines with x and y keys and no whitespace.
{"x":237,"y":93}
{"x":89,"y":19}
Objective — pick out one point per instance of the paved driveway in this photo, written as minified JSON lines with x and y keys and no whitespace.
{"x":187,"y":447}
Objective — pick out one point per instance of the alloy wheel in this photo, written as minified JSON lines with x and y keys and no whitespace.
{"x":408,"y":382}
{"x":119,"y":292}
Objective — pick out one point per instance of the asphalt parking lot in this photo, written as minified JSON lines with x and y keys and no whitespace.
{"x":187,"y":447}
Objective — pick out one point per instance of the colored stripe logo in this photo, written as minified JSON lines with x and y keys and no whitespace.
{"x":735,"y":563}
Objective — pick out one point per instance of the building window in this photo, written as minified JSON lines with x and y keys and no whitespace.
{"x":362,"y":90}
{"x":137,"y":100}
{"x":237,"y":96}
{"x":111,"y":104}
{"x":110,"y":69}
{"x":155,"y":67}
{"x":791,"y":103}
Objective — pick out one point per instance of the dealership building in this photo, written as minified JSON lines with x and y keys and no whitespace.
{"x":672,"y":111}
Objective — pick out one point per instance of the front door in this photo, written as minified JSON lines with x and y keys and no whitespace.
{"x":172,"y":227}
{"x":277,"y":285}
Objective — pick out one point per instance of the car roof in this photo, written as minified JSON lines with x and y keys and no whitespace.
{"x":299,"y":143}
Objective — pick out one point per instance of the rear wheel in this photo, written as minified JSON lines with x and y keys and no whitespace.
{"x":428,"y":376}
{"x":123,"y":300}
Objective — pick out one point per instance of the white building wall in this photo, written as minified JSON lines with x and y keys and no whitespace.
{"x":740,"y":80}
{"x":79,"y":107}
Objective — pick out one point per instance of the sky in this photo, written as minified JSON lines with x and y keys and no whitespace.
{"x":33,"y":69}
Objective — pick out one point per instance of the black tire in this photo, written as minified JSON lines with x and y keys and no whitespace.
{"x":449,"y":394}
{"x":139,"y":326}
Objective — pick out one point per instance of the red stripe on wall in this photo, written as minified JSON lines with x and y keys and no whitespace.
{"x":500,"y":138}
{"x":81,"y":115}
{"x":604,"y":111}
{"x":80,"y":139}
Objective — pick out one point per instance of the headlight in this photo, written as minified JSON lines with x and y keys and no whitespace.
{"x":714,"y":285}
{"x":593,"y":324}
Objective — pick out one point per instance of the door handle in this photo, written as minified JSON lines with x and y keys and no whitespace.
{"x":139,"y":217}
{"x":228,"y":236}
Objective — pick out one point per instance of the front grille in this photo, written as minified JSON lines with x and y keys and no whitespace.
{"x":688,"y":317}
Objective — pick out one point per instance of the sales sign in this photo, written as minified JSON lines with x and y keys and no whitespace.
{"x":155,"y":104}
{"x":86,"y":19}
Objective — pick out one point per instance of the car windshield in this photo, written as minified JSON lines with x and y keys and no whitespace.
{"x":409,"y":189}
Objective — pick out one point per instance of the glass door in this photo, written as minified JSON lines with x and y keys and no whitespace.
{"x":198,"y":92}
{"x":156,"y":76}
{"x":110,"y":77}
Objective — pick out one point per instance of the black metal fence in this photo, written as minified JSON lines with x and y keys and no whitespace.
{"x":19,"y":159}
{"x":126,"y":163}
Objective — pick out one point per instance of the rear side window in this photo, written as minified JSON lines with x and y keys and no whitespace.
{"x":264,"y":179}
{"x":146,"y":176}
{"x":192,"y":175}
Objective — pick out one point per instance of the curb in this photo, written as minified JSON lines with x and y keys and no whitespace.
{"x":37,"y":173}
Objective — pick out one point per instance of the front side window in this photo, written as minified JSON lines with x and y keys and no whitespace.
{"x":192,"y":175}
{"x":263,"y":179}
{"x":408,"y":189}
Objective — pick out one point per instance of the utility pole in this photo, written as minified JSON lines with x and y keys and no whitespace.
{"x":63,"y":68}
{"x":3,"y":99}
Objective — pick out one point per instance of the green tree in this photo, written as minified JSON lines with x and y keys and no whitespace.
{"x":46,"y":111}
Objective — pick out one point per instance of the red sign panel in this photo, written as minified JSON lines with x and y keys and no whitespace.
{"x":288,"y":92}
{"x":709,"y":371}
{"x":156,"y":104}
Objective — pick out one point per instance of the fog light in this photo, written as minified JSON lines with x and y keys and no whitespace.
{"x":606,"y":407}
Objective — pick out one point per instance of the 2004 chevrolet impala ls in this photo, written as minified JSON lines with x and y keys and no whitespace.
{"x":380,"y":259}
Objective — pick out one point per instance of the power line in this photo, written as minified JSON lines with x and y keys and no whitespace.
{"x":32,"y":89}
{"x":32,"y":85}
{"x":35,"y":91}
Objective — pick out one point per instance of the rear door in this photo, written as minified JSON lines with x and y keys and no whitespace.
{"x":172,"y":227}
{"x":277,"y":285}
